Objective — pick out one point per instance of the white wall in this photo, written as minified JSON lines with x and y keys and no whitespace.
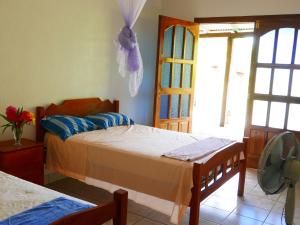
{"x":52,"y":50}
{"x":189,"y":9}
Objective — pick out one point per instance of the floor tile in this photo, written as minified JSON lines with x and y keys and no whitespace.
{"x":278,"y":207}
{"x":249,"y":186}
{"x":133,"y":218}
{"x":259,"y":192}
{"x":213,"y":214}
{"x":275,"y":219}
{"x":147,"y":222}
{"x":257,"y":201}
{"x":235,"y":219}
{"x":158,"y":217}
{"x":221,"y":203}
{"x":252,"y":212}
{"x":138,"y":209}
{"x":205,"y":222}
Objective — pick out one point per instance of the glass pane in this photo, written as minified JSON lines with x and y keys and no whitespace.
{"x":259,"y":114}
{"x":164,"y":106}
{"x":189,"y":45}
{"x":175,"y":106}
{"x":277,"y":115}
{"x":166,"y":75}
{"x":281,"y":82}
{"x":262,"y":80}
{"x":296,"y":82}
{"x":168,"y":42}
{"x":177,"y":75}
{"x":294,"y":121}
{"x":285,"y":45}
{"x":266,"y":45}
{"x":187,"y":76}
{"x":297,"y":57}
{"x":179,"y":42}
{"x":185,"y":102}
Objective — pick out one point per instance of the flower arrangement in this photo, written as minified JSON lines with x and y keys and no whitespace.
{"x":16,"y":118}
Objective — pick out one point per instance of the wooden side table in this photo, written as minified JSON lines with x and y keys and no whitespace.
{"x":25,"y":161}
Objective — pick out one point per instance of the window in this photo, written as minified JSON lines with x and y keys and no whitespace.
{"x":276,"y":98}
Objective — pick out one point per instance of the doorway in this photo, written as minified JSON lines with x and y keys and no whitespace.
{"x":223,"y":70}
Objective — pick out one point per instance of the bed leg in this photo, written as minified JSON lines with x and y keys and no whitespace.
{"x":243,"y":166}
{"x":121,"y":200}
{"x":242,"y":176}
{"x":196,"y":196}
{"x":194,"y":213}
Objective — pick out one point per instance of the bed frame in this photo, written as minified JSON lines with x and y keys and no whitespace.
{"x":115,"y":210}
{"x":207,"y":177}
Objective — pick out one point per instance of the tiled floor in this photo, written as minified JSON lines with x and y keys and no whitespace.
{"x":222,"y":207}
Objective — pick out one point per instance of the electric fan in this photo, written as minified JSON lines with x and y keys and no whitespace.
{"x":279,"y":168}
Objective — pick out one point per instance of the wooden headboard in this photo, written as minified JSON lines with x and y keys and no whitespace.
{"x":73,"y":107}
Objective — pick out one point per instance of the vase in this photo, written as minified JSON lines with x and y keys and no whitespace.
{"x":17,"y":134}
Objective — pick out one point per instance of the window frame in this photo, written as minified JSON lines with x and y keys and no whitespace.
{"x":263,"y":24}
{"x":263,"y":27}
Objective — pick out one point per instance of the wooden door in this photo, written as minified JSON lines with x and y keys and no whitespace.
{"x":274,"y":96}
{"x":175,"y":74}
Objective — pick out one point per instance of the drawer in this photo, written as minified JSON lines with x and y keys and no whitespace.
{"x":22,"y":158}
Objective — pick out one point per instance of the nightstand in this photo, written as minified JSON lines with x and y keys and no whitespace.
{"x":25,"y":161}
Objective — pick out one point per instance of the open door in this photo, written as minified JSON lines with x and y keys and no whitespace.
{"x":274,"y":96}
{"x":175,"y":74}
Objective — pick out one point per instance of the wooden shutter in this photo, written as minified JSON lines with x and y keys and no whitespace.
{"x":175,"y":74}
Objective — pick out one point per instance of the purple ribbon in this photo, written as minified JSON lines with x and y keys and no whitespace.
{"x":128,"y":42}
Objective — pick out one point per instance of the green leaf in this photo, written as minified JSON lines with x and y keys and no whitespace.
{"x":18,"y":111}
{"x":5,"y":129}
{"x":5,"y":118}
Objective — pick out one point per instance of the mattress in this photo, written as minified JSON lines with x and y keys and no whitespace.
{"x":17,"y":195}
{"x":129,"y":157}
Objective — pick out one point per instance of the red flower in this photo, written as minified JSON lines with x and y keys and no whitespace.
{"x":26,"y":116}
{"x":11,"y":113}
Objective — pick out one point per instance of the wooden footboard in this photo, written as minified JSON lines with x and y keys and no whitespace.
{"x":209,"y":176}
{"x":115,"y":210}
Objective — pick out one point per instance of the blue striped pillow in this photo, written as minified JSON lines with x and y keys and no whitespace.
{"x":110,"y":119}
{"x":66,"y":126}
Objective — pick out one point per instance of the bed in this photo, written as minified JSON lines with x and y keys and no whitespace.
{"x":101,"y":159}
{"x":22,"y":202}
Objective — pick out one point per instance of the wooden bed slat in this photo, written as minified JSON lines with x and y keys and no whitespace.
{"x":215,"y":173}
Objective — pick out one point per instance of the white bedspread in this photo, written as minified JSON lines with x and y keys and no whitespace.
{"x":17,"y":195}
{"x":129,"y":157}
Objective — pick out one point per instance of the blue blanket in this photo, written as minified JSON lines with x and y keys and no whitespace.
{"x":46,"y":213}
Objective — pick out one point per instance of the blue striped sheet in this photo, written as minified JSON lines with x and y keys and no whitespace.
{"x":66,"y":126}
{"x":46,"y":213}
{"x":110,"y":119}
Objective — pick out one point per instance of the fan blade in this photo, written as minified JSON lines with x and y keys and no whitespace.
{"x":290,"y":205}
